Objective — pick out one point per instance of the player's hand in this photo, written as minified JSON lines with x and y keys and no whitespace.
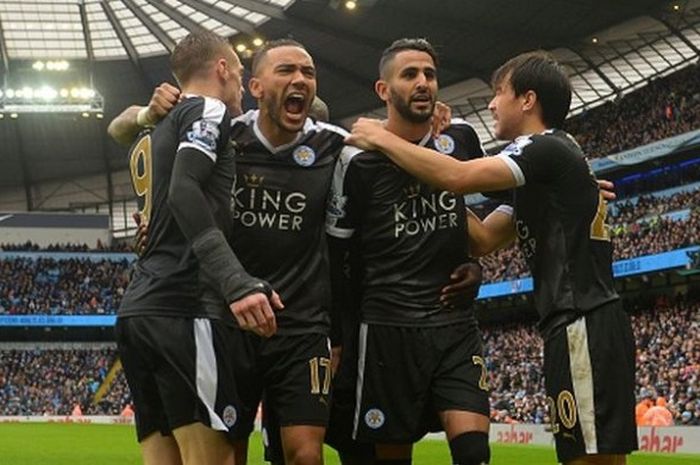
{"x":442,"y":117}
{"x":366,"y":132}
{"x":254,"y":313}
{"x":336,"y":352}
{"x":607,"y":188}
{"x":464,"y":288}
{"x":141,"y":238}
{"x":164,"y":98}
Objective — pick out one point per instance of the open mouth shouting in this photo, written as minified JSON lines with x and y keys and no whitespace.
{"x":296,"y":107}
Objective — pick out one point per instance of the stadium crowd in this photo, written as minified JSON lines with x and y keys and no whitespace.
{"x":667,"y":331}
{"x":51,"y":381}
{"x":637,"y":230}
{"x":29,"y":246}
{"x":668,"y":363}
{"x":70,"y":286}
{"x":650,"y":205}
{"x":73,"y":286}
{"x":665,"y":107}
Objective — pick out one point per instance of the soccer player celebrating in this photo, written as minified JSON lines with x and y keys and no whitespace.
{"x":284,"y":169}
{"x":559,"y":217}
{"x":173,"y":332}
{"x":418,"y":357}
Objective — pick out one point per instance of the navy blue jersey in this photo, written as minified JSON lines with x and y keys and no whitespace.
{"x":560,"y":218}
{"x":411,"y":236}
{"x":166,"y":279}
{"x":279,"y":202}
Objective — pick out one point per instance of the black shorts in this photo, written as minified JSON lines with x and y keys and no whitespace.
{"x":179,"y":372}
{"x":406,"y":374}
{"x":589,"y":378}
{"x":293,"y":372}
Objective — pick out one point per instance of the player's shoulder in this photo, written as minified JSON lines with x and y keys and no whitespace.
{"x":246,"y":119}
{"x":460,"y":139}
{"x":560,"y":142}
{"x":201,"y":107}
{"x":325,"y":129}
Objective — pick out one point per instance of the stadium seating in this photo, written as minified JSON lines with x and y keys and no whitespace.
{"x":52,"y":381}
{"x":67,"y":286}
{"x":668,"y":362}
{"x":665,"y":107}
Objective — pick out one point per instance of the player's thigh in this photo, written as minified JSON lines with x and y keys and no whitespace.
{"x":141,"y":361}
{"x":157,"y":449}
{"x":456,"y":422}
{"x":298,"y":379}
{"x":201,"y":445}
{"x":394,"y":376}
{"x":302,"y":444}
{"x":589,"y":379}
{"x":340,"y":428}
{"x":248,"y":371}
{"x":460,"y":388}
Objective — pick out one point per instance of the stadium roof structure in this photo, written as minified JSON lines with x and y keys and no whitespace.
{"x":121,"y":48}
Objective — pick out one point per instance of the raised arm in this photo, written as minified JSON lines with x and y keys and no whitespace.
{"x":126,"y":126}
{"x":483,"y":174}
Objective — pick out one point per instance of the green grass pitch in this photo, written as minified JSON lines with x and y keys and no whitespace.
{"x":75,"y":444}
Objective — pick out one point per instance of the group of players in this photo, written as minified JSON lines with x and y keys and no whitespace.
{"x":326,"y":274}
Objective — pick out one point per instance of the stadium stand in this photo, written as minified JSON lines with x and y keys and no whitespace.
{"x":667,"y":332}
{"x":51,"y":380}
{"x":70,"y":286}
{"x":664,"y":108}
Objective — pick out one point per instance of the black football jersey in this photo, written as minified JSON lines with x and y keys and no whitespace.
{"x":166,"y":279}
{"x":278,"y":203}
{"x":411,"y":235}
{"x":560,"y":219}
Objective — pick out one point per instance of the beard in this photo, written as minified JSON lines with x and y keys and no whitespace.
{"x":275,"y":108}
{"x":405,"y":110}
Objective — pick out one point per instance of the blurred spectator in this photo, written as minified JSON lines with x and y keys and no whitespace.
{"x":667,"y":333}
{"x":99,"y":247}
{"x":67,"y":286}
{"x":665,"y":107}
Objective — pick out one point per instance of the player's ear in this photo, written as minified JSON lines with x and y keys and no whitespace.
{"x":221,"y":67}
{"x":382,"y":89}
{"x":255,"y":88}
{"x":529,"y":100}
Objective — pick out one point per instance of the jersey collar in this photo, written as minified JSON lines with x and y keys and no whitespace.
{"x":268,"y":145}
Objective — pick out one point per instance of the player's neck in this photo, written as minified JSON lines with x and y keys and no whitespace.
{"x":532,"y":126}
{"x":202,"y":89}
{"x":407,"y":130}
{"x":272,"y":131}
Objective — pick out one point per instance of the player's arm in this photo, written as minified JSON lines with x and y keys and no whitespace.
{"x":483,"y":174}
{"x":496,"y":231}
{"x":338,"y":252}
{"x":201,"y":140}
{"x":126,"y":126}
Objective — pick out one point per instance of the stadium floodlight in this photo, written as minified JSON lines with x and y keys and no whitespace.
{"x":38,"y":65}
{"x":46,"y":99}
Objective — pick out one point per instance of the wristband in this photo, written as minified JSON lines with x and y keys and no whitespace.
{"x":142,"y":118}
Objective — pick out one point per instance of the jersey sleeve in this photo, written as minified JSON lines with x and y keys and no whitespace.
{"x":535,"y":159}
{"x":345,"y":197}
{"x":204,"y":126}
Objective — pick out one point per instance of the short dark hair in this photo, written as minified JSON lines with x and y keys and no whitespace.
{"x":272,"y":44}
{"x":193,"y":52}
{"x":539,"y":72}
{"x":401,"y":45}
